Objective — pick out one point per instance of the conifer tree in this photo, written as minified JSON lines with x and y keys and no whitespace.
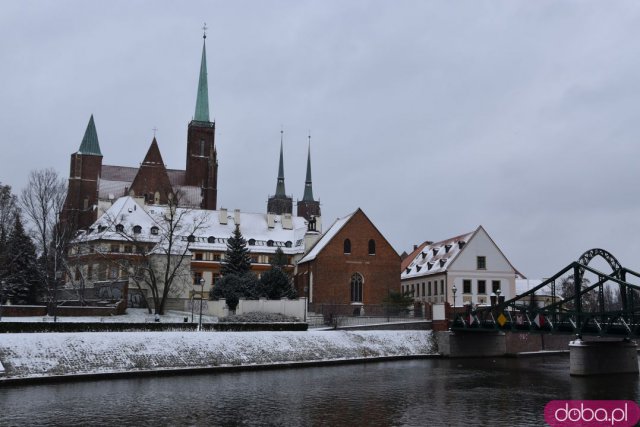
{"x":279,"y":259}
{"x":21,"y":266}
{"x":236,"y":260}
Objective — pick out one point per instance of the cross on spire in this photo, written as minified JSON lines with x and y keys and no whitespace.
{"x":154,"y":131}
{"x":204,"y":31}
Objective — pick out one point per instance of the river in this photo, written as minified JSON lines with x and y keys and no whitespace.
{"x":456,"y":392}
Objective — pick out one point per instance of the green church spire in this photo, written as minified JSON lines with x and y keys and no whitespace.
{"x":90,"y":143}
{"x":308,"y":189}
{"x":280,"y":185}
{"x":202,"y":101}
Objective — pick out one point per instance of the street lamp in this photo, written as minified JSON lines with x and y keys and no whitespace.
{"x":2,"y":285}
{"x":201,"y":292}
{"x":498,"y":292}
{"x":454,"y":290}
{"x":58,"y":276}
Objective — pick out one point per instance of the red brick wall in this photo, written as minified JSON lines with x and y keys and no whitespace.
{"x":332,"y":269}
{"x":83,"y":183}
{"x":202,"y":171}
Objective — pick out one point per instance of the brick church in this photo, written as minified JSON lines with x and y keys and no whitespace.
{"x":95,"y":186}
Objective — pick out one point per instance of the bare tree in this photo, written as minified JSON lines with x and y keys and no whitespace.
{"x":41,"y":202}
{"x":8,"y":210}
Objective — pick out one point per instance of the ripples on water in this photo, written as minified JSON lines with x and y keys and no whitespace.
{"x":434,"y":392}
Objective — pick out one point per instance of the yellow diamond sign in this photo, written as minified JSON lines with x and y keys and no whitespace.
{"x":502,"y":319}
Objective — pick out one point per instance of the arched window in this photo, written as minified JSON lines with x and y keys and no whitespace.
{"x":120,"y":228}
{"x":211,"y":239}
{"x":356,"y":287}
{"x":269,"y":242}
{"x":137,"y":229}
{"x":347,"y":246}
{"x":288,"y":244}
{"x":252,"y":242}
{"x":191,"y":238}
{"x":372,"y":247}
{"x":154,"y":230}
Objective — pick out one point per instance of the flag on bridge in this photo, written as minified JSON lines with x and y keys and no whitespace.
{"x":539,"y":320}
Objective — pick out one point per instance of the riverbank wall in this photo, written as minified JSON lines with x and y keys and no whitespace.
{"x":58,"y":356}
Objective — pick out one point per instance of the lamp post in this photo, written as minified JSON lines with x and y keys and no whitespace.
{"x":2,"y":285}
{"x":201,"y":292}
{"x":498,"y":292}
{"x":57,"y":277}
{"x":454,"y":290}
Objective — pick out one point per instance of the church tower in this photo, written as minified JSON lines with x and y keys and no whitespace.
{"x":80,"y":206}
{"x":280,"y":203}
{"x":202,"y":156}
{"x":308,"y":207}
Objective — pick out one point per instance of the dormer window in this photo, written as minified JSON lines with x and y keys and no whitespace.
{"x":191,"y":238}
{"x":435,"y":251}
{"x":418,"y":268}
{"x":154,"y":230}
{"x":269,"y":242}
{"x":461,"y":244}
{"x":443,"y":262}
{"x":101,"y":228}
{"x":137,"y":229}
{"x":429,"y":265}
{"x":288,"y":244}
{"x":447,"y":248}
{"x":252,"y":242}
{"x":120,"y":228}
{"x":408,"y":270}
{"x":211,"y":239}
{"x":424,"y":255}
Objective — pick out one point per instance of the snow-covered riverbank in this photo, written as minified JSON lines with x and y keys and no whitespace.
{"x":40,"y":355}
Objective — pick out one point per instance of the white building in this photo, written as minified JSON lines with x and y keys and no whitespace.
{"x":471,"y":262}
{"x":130,"y":228}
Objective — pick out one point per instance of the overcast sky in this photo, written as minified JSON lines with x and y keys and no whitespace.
{"x":434,"y":117}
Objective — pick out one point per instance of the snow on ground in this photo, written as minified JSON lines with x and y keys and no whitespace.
{"x":133,"y":315}
{"x":49,"y":354}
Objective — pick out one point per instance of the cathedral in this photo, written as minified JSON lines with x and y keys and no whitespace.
{"x":94,"y":186}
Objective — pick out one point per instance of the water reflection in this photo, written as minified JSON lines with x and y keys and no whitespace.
{"x":414,"y":393}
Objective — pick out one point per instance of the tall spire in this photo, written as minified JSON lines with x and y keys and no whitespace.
{"x":90,"y":143}
{"x":280,"y":185}
{"x":202,"y":101}
{"x":308,"y":189}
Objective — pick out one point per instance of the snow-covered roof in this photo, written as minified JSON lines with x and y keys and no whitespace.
{"x":435,"y":258}
{"x":203,"y":227}
{"x":326,"y":238}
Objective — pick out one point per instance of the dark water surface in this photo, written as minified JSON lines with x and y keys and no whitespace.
{"x":462,"y":392}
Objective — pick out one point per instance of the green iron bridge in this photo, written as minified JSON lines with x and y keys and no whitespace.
{"x":543,"y":310}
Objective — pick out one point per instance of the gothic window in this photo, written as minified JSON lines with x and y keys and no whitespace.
{"x":202,"y":147}
{"x":86,"y":203}
{"x":137,"y":229}
{"x":356,"y":287}
{"x":372,"y":247}
{"x":347,"y":246}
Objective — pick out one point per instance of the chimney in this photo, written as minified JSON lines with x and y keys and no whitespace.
{"x":223,"y":216}
{"x":236,"y":216}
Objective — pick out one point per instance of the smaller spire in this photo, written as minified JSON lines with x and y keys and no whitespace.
{"x":280,"y":185}
{"x":90,"y":143}
{"x":308,"y":188}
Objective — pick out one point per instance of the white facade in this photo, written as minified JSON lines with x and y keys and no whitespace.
{"x":471,"y":262}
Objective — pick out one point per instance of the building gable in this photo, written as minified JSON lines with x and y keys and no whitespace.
{"x":481,"y":245}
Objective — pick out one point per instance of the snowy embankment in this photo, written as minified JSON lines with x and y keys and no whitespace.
{"x":67,"y":354}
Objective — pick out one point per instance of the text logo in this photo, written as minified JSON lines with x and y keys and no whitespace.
{"x":591,"y":413}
